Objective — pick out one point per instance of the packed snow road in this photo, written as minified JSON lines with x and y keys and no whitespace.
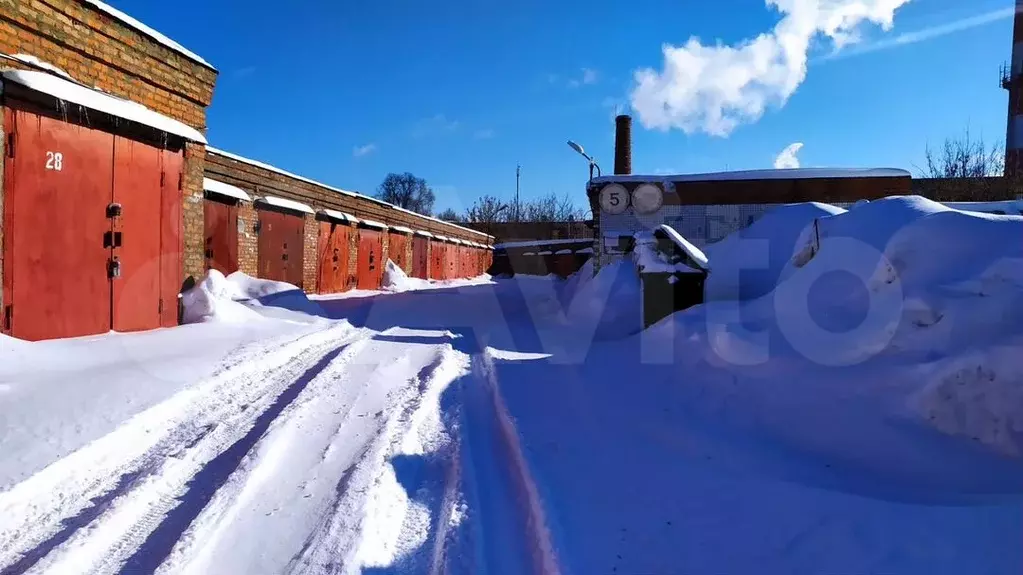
{"x":522,"y":426}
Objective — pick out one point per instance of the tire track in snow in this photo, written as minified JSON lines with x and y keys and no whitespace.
{"x":332,"y":438}
{"x":53,"y":507}
{"x":369,"y":521}
{"x":508,"y":523}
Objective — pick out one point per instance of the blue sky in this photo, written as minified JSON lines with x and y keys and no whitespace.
{"x":458,"y":92}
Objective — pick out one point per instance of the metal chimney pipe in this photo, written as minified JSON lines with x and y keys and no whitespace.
{"x":623,"y":144}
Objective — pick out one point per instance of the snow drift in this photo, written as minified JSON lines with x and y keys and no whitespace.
{"x":747,"y":264}
{"x":239,"y":298}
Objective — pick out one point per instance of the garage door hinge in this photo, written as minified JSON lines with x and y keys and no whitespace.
{"x":8,"y":317}
{"x":10,"y":145}
{"x":160,"y":306}
{"x":181,"y":178}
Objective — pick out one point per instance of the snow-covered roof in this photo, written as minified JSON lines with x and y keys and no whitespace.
{"x":374,"y":224}
{"x":225,"y":189}
{"x":562,"y":252}
{"x":532,"y":243}
{"x":423,"y":233}
{"x":692,"y":251}
{"x":791,"y":174}
{"x":72,"y":92}
{"x":34,"y":61}
{"x":440,"y":238}
{"x":402,"y":229}
{"x":544,"y":253}
{"x":340,"y":216}
{"x":400,"y":209}
{"x":275,"y":169}
{"x":286,"y":204}
{"x":140,"y":27}
{"x":585,"y":251}
{"x":529,"y":254}
{"x":455,"y":240}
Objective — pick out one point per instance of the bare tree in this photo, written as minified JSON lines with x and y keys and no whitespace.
{"x":449,"y":215}
{"x":552,"y":208}
{"x":965,"y":168}
{"x":407,"y":191}
{"x":965,"y":157}
{"x":487,"y":209}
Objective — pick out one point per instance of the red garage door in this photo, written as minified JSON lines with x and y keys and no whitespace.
{"x":220,"y":217}
{"x":396,"y":245}
{"x":452,"y":260}
{"x":371,"y":249}
{"x":333,"y":264}
{"x":438,"y":261}
{"x":280,"y":245}
{"x":89,"y":224}
{"x":420,"y":264}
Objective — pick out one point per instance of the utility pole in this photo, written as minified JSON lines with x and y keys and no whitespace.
{"x":518,"y":174}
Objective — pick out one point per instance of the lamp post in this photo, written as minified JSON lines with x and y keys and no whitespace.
{"x":593,"y":163}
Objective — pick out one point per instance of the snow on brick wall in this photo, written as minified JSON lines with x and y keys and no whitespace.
{"x":98,"y":50}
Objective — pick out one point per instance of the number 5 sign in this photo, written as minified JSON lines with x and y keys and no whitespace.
{"x":614,"y":199}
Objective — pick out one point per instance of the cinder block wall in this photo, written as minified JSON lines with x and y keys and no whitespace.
{"x":100,"y":50}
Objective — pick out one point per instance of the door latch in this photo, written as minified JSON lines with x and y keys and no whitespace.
{"x":114,"y":269}
{"x":114,"y":210}
{"x":112,"y":239}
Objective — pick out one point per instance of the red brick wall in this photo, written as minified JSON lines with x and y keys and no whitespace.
{"x":248,"y":244}
{"x":98,"y":50}
{"x":258,"y":181}
{"x":310,"y":253}
{"x":192,"y":209}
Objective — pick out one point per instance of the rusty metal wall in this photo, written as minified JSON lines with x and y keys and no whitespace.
{"x":420,"y":261}
{"x":220,"y":227}
{"x":370,"y":268}
{"x":56,"y":263}
{"x":333,"y":258}
{"x":280,"y":246}
{"x":136,"y":236}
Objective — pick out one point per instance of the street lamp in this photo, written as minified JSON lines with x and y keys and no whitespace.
{"x":579,"y":149}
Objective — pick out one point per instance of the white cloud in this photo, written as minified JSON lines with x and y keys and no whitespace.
{"x":716,"y":88}
{"x":360,"y":151}
{"x":435,"y":124}
{"x":787,"y":158}
{"x":907,"y":38}
{"x":590,"y":76}
{"x":484,"y":134}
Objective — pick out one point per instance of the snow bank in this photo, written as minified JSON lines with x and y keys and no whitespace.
{"x":612,"y":299}
{"x":395,"y":279}
{"x":240,"y":297}
{"x":747,"y":263}
{"x":213,"y":300}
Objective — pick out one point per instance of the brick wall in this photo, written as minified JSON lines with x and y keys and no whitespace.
{"x":248,"y":244}
{"x":261,"y":181}
{"x":310,"y":253}
{"x":193,"y":258}
{"x":99,"y":50}
{"x":518,"y":231}
{"x":353,"y":258}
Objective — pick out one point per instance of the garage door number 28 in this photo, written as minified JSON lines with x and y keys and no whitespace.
{"x":54,"y":161}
